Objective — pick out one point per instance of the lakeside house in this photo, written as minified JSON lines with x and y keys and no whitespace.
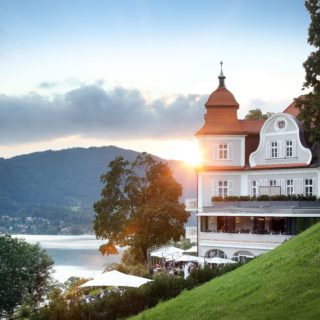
{"x":252,"y":158}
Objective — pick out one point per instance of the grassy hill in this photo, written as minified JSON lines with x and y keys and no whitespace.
{"x":282,"y":284}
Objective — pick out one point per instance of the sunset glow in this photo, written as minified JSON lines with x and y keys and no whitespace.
{"x":152,"y":99}
{"x":184,"y":150}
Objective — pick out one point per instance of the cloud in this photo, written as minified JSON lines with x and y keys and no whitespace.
{"x":47,"y":85}
{"x":93,"y":112}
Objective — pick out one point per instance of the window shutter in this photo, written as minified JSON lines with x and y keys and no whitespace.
{"x":215,"y":155}
{"x":314,"y":186}
{"x":283,"y":186}
{"x":230,"y":151}
{"x":294,"y":148}
{"x":282,"y":149}
{"x":215,"y":188}
{"x":300,"y":186}
{"x":230,"y":187}
{"x":268,"y":150}
{"x":296,"y":186}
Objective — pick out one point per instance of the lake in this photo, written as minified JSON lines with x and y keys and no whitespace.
{"x":77,"y":256}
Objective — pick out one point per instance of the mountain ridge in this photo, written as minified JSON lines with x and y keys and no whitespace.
{"x":66,"y":180}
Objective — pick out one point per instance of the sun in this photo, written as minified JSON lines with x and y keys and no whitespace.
{"x":191,"y":157}
{"x":186,"y":150}
{"x":183,"y":150}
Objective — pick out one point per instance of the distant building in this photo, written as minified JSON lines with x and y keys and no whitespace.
{"x":252,"y":158}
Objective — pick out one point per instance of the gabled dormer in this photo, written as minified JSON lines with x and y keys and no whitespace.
{"x":281,"y":144}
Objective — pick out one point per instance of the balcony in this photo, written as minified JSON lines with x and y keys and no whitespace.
{"x":245,"y":241}
{"x":286,"y":207}
{"x":247,"y":237}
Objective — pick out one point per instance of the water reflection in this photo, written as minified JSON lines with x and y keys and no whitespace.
{"x":77,"y":256}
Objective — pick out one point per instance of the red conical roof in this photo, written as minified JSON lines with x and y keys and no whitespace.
{"x":222,"y":97}
{"x":221,"y":117}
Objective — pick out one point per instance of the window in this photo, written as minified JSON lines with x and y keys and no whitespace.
{"x":289,"y":148}
{"x":274,"y":149}
{"x":289,"y":187}
{"x":273,"y":183}
{"x":223,"y":151}
{"x":254,"y":188}
{"x":281,"y":124}
{"x":215,"y":253}
{"x":223,"y":188}
{"x":308,"y":187}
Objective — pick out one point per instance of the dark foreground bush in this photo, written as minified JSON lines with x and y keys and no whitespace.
{"x":132,"y":301}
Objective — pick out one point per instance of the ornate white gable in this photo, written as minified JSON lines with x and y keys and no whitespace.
{"x":280,"y":143}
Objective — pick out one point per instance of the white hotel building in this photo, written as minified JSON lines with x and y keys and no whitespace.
{"x":252,"y":158}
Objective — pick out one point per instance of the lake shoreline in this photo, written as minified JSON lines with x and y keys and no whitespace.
{"x":73,"y":255}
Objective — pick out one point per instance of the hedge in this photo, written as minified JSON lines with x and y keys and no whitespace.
{"x":294,"y":197}
{"x":133,"y":300}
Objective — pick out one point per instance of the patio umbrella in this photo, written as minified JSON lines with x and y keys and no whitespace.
{"x":188,"y":258}
{"x":115,"y":279}
{"x":193,"y":249}
{"x":166,"y":252}
{"x":218,"y":260}
{"x":173,"y":256}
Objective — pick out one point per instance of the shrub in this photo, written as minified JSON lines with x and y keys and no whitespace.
{"x":132,"y":301}
{"x":201,"y":275}
{"x":280,"y":197}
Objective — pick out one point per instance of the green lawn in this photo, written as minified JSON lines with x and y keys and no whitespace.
{"x":282,"y":284}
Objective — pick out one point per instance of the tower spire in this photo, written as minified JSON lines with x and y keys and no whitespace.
{"x":221,"y":77}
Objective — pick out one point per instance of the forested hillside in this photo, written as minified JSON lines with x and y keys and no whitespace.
{"x":63,"y":185}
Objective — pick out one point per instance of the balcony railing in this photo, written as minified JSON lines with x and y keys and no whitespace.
{"x":250,"y":237}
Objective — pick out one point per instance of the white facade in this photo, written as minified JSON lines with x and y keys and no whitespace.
{"x":280,"y":164}
{"x":222,"y":150}
{"x":243,"y":183}
{"x":280,"y":143}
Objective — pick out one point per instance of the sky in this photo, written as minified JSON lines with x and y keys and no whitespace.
{"x":136,"y":73}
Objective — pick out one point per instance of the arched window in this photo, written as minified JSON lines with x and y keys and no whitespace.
{"x":216,"y":253}
{"x":242,"y":256}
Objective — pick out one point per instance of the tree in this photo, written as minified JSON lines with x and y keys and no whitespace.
{"x":139,"y":207}
{"x":71,"y":286}
{"x":57,"y":309}
{"x":309,"y":104}
{"x":24,"y":274}
{"x":256,"y":114}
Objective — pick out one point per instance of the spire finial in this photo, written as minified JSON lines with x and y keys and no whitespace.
{"x":221,"y":76}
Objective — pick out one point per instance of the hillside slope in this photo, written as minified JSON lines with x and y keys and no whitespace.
{"x":282,"y":284}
